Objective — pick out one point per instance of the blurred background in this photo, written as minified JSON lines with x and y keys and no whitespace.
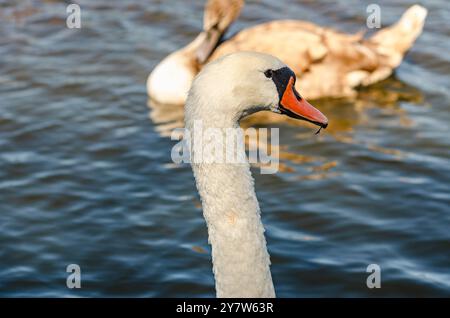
{"x":86,"y":175}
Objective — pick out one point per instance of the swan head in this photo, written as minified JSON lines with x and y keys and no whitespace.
{"x":171,"y":79}
{"x":243,"y":83}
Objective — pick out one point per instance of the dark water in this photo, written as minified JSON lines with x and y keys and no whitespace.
{"x":86,"y":175}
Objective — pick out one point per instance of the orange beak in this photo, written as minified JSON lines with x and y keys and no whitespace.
{"x":297,"y":107}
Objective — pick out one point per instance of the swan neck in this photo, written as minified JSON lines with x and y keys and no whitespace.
{"x":241,"y":263}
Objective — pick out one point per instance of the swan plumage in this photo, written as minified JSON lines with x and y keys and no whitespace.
{"x":329,"y":63}
{"x":224,"y":92}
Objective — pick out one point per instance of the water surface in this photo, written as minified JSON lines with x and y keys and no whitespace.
{"x":86,"y":175}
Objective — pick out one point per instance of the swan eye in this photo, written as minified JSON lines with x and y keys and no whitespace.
{"x":268,"y":73}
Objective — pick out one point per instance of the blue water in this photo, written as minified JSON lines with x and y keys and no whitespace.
{"x":86,"y":176}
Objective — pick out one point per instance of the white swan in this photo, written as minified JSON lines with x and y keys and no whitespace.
{"x":171,"y":79}
{"x":225,"y":91}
